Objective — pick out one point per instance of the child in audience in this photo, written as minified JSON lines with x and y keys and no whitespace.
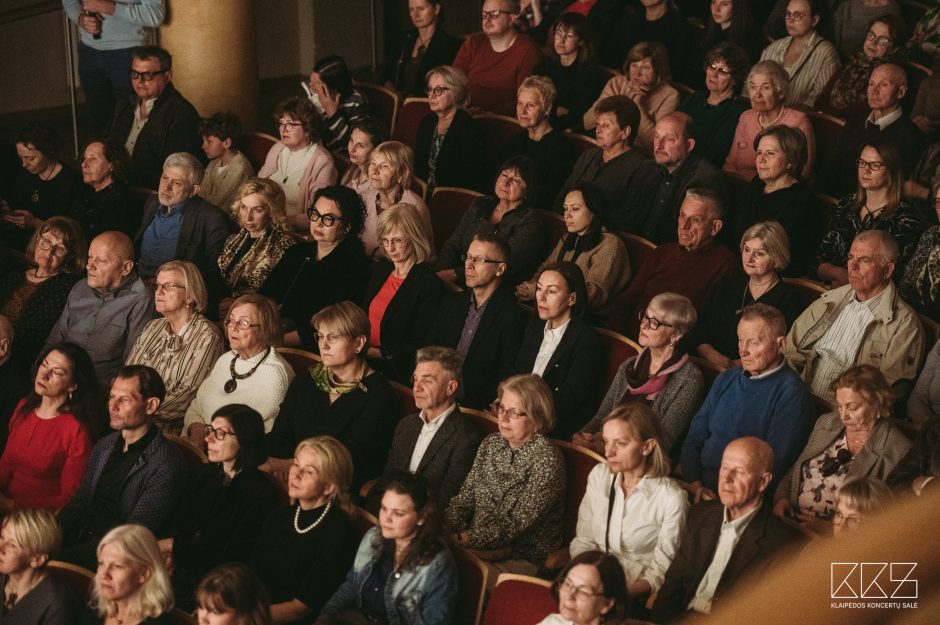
{"x":228,"y":168}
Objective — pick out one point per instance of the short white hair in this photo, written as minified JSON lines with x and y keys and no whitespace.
{"x":188,"y":162}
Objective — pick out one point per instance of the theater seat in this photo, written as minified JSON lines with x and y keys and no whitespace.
{"x":485,"y":422}
{"x":581,"y":143}
{"x":826,"y":131}
{"x":638,"y":249}
{"x":77,"y":578}
{"x":256,"y":146}
{"x":194,"y":456}
{"x":472,"y":574}
{"x":809,"y":290}
{"x":410,"y":114}
{"x":498,"y":131}
{"x":579,"y":462}
{"x":364,"y":521}
{"x":555,"y":228}
{"x":406,"y":399}
{"x":178,"y":617}
{"x":382,"y":101}
{"x":301,"y":360}
{"x":618,"y":348}
{"x":447,"y":207}
{"x":519,"y":600}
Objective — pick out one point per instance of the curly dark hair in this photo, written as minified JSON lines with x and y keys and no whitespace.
{"x":302,"y":110}
{"x":349,"y":204}
{"x":116,"y":154}
{"x":429,"y":539}
{"x":85,"y":402}
{"x":222,"y":124}
{"x":41,"y":138}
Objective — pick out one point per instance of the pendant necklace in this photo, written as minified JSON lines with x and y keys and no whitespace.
{"x":232,"y":384}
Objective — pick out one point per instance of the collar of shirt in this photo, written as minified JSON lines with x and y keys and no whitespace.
{"x":872,"y":303}
{"x":127,"y":283}
{"x":171,"y":210}
{"x":644,"y":487}
{"x":770,"y":372}
{"x":432,"y":426}
{"x":740,"y":524}
{"x":148,"y":104}
{"x":138,"y":445}
{"x":555,"y":333}
{"x":887,"y":120}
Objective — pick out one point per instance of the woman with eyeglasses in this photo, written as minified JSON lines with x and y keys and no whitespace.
{"x":660,"y":376}
{"x":331,"y":268}
{"x":104,"y":202}
{"x":226,"y":503}
{"x":182,"y":345}
{"x":509,"y":509}
{"x":449,"y":148}
{"x":391,"y":177}
{"x":423,"y":48}
{"x":858,"y":440}
{"x":366,"y":134}
{"x":33,"y":298}
{"x":857,"y":499}
{"x":590,"y":590}
{"x":252,"y":372}
{"x":876,"y":205}
{"x":851,"y":21}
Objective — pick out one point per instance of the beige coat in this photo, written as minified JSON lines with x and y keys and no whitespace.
{"x":660,"y":101}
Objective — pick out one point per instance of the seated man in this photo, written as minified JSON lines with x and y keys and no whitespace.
{"x":727,"y":539}
{"x":483,"y":323}
{"x":14,"y":384}
{"x":107,"y":310}
{"x":627,"y":178}
{"x":763,"y":398}
{"x":690,"y":267}
{"x":864,"y":322}
{"x":134,"y":475}
{"x":497,"y":60}
{"x":157,"y":120}
{"x":438,"y":443}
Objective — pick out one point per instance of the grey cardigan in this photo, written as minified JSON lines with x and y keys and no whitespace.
{"x":675,"y":405}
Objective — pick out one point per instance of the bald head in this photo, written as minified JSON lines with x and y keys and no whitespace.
{"x":886,"y":87}
{"x":759,"y":451}
{"x":110,"y":260}
{"x":745,"y":473}
{"x":672,"y":140}
{"x":6,"y":339}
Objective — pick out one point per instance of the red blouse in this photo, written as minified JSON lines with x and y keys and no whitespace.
{"x":379,"y":304}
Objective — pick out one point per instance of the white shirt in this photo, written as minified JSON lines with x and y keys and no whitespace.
{"x":770,"y":372}
{"x":887,"y":120}
{"x":428,"y":430}
{"x":290,"y":169}
{"x":644,"y":529}
{"x":138,"y":124}
{"x":727,"y":540}
{"x":837,"y":348}
{"x":555,"y":619}
{"x":550,"y":340}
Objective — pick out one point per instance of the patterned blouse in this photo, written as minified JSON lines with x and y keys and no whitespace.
{"x":924,"y":44}
{"x":920,"y":285}
{"x":818,"y":491}
{"x":850,"y":90}
{"x":512,"y":498}
{"x":245,"y":263}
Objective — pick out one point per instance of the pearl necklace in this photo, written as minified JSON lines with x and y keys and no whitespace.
{"x":315,"y":523}
{"x":761,"y":123}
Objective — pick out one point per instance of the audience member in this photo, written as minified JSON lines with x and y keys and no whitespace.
{"x":852,"y":19}
{"x":340,"y":396}
{"x":391,"y":176}
{"x":731,"y":21}
{"x":156,"y":121}
{"x":660,"y":376}
{"x":727,"y":539}
{"x":134,"y":475}
{"x":104,"y":203}
{"x":825,"y":340}
{"x":14,"y":383}
{"x":483,"y":322}
{"x":182,"y":345}
{"x":497,"y":60}
{"x":920,"y":283}
{"x":449,"y":146}
{"x":924,"y":44}
{"x":856,"y":440}
{"x":590,"y":589}
{"x":251,"y":373}
{"x":228,"y":168}
{"x":107,"y":310}
{"x":363,"y":138}
{"x":403,"y":570}
{"x":423,"y":48}
{"x":855,"y":500}
{"x":342,"y":105}
{"x":762,"y":398}
{"x":235,"y":589}
{"x":924,"y":402}
{"x":645,"y":80}
{"x":926,"y":110}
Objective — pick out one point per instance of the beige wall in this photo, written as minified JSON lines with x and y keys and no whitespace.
{"x":33,"y":72}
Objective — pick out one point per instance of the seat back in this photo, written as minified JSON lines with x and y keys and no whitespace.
{"x":410,"y":114}
{"x":809,"y":290}
{"x":581,"y":143}
{"x":826,"y":131}
{"x":364,"y":521}
{"x":194,"y":456}
{"x":519,"y":600}
{"x":497,"y":131}
{"x":638,"y":249}
{"x":618,"y":348}
{"x":406,"y":399}
{"x":578,"y":465}
{"x":447,"y":208}
{"x":382,"y":101}
{"x":341,"y":162}
{"x":419,"y":187}
{"x":299,"y":359}
{"x":178,"y":617}
{"x":555,"y":229}
{"x":826,"y":205}
{"x":472,"y":574}
{"x":916,"y":73}
{"x":77,"y":578}
{"x":256,"y":146}
{"x":709,"y":371}
{"x":485,"y":422}
{"x":931,"y":330}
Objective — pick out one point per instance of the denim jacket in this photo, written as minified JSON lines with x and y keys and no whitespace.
{"x":422,"y":595}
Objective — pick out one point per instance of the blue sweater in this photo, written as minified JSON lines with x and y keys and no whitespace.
{"x":778,"y":409}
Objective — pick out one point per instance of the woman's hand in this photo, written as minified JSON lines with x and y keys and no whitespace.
{"x":639,"y":588}
{"x":197,"y":435}
{"x":585,"y":439}
{"x":328,"y":101}
{"x":783,"y":508}
{"x":23,"y":219}
{"x":525,"y":291}
{"x":713,"y":356}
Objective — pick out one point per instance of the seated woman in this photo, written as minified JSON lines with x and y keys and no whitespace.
{"x":252,"y":373}
{"x":132,"y":585}
{"x":732,"y":21}
{"x":548,"y":148}
{"x":249,"y":255}
{"x":857,"y":441}
{"x":648,"y":509}
{"x":920,"y":284}
{"x":857,"y":499}
{"x":29,"y":594}
{"x":645,"y":80}
{"x":767,"y":86}
{"x":562,"y":348}
{"x":341,"y":103}
{"x":449,"y":148}
{"x":228,"y":168}
{"x":924,"y":44}
{"x":232,"y":591}
{"x":182,"y":345}
{"x":601,"y":256}
{"x":364,"y":136}
{"x":851,"y":19}
{"x":715,"y":112}
{"x":876,"y":205}
{"x":33,"y":299}
{"x":509,"y":509}
{"x":305,"y":549}
{"x":52,"y":431}
{"x":403,"y":570}
{"x":227,"y":501}
{"x":765,"y":252}
{"x":924,"y":403}
{"x":331,"y":268}
{"x":808,"y":59}
{"x":591,"y":589}
{"x":423,"y":48}
{"x":299,"y":162}
{"x":508,"y":214}
{"x":104,"y":201}
{"x":661,"y":375}
{"x":779,"y":193}
{"x":341,"y":397}
{"x":391,"y":178}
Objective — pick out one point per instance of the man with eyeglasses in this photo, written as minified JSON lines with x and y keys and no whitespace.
{"x":134,"y":475}
{"x":483,"y":323}
{"x":497,"y":60}
{"x":156,"y":120}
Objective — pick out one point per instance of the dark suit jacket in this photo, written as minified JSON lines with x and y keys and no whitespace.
{"x":757,"y":549}
{"x":661,"y":223}
{"x":461,"y":161}
{"x":407,"y":319}
{"x":444,"y":464}
{"x":575,"y":372}
{"x":492,"y":353}
{"x":441,"y":51}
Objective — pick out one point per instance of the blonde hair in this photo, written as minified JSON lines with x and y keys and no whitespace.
{"x":268,"y":318}
{"x":272,"y":198}
{"x":775,"y":240}
{"x":536,"y":398}
{"x":37,"y":531}
{"x":347,"y":318}
{"x":141,"y":550}
{"x":401,"y":157}
{"x":864,"y":494}
{"x":544,"y":87}
{"x":455,"y":80}
{"x":336,"y":467}
{"x":645,"y":425}
{"x":777,"y":75}
{"x":196,"y":291}
{"x":405,"y":217}
{"x":870,"y":383}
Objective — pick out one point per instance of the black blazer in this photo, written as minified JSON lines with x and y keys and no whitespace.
{"x":575,"y":372}
{"x":759,"y":545}
{"x":462,"y":159}
{"x":492,"y":353}
{"x":407,"y":318}
{"x":441,"y":50}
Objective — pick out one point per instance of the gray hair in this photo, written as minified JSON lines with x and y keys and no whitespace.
{"x":679,"y":311}
{"x":455,"y":80}
{"x":888,"y":246}
{"x":778,"y":76}
{"x":710,"y":197}
{"x":450,"y":360}
{"x":773,"y":319}
{"x":188,"y":162}
{"x":775,"y":240}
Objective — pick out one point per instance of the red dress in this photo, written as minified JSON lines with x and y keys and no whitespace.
{"x":44,"y":460}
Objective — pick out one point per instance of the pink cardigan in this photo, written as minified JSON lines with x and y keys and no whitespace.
{"x":320,"y":172}
{"x":740,"y":159}
{"x":370,"y":231}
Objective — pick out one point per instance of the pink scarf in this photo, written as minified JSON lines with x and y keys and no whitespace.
{"x":655,"y":383}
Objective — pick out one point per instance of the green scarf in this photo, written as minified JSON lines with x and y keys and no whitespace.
{"x":323,"y":378}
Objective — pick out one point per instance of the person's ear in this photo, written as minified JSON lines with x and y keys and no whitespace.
{"x":572,"y":299}
{"x":4,"y":346}
{"x":648,"y":446}
{"x":500,"y":268}
{"x":815,"y":21}
{"x":227,"y":144}
{"x":689,"y":145}
{"x":764,"y":481}
{"x":902,"y":91}
{"x":451,"y":388}
{"x":195,"y":190}
{"x":126,"y":267}
{"x":717,"y":224}
{"x":360,"y":343}
{"x":151,"y":404}
{"x":889,"y":271}
{"x":781,"y":342}
{"x":625,"y":133}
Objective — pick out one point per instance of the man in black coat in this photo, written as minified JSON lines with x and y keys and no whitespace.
{"x":157,"y":120}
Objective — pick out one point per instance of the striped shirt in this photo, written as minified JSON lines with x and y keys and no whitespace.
{"x":809,"y":75}
{"x":837,"y":348}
